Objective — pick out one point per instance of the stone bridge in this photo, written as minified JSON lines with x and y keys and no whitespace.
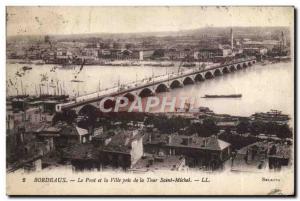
{"x":154,"y":85}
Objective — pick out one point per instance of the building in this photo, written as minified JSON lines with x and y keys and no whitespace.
{"x":122,"y":150}
{"x":28,"y":120}
{"x":90,"y":52}
{"x":82,"y":157}
{"x":186,"y":53}
{"x":145,"y":54}
{"x":49,"y":106}
{"x":271,"y":116}
{"x":100,"y":138}
{"x":150,"y":163}
{"x":105,"y":53}
{"x":262,"y":155}
{"x":49,"y":56}
{"x":73,"y":134}
{"x":213,"y":52}
{"x":268,"y":44}
{"x":224,"y":125}
{"x":136,"y":125}
{"x":172,"y":54}
{"x":63,"y":56}
{"x":206,"y":152}
{"x":111,"y":149}
{"x":30,"y":163}
{"x":279,"y":156}
{"x":258,"y":52}
{"x":62,"y":135}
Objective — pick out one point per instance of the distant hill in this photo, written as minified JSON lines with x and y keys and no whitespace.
{"x":250,"y":32}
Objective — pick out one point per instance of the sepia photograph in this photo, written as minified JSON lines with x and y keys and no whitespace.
{"x":156,"y":100}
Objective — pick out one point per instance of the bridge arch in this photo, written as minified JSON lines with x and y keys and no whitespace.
{"x":87,"y":116}
{"x":188,"y":80}
{"x":253,"y":61}
{"x":130,"y":96}
{"x":245,"y":65}
{"x":238,"y":67}
{"x":217,"y":72}
{"x":232,"y":68}
{"x":249,"y":63}
{"x":175,"y":84}
{"x":225,"y":70}
{"x":109,"y":103}
{"x":208,"y":75}
{"x":199,"y":78}
{"x":146,"y":92}
{"x":161,"y":88}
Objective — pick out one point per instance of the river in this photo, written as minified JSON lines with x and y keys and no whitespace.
{"x":262,"y":87}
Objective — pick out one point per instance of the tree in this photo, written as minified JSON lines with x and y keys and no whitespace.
{"x":243,"y":127}
{"x":256,"y":128}
{"x":210,"y":127}
{"x":284,"y":131}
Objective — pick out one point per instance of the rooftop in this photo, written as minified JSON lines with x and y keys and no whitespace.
{"x":280,"y":151}
{"x":81,"y":151}
{"x":151,"y":163}
{"x":46,"y":129}
{"x":121,"y":142}
{"x":209,"y":143}
{"x":81,"y":131}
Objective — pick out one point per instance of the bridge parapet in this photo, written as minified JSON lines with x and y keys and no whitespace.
{"x":152,"y":84}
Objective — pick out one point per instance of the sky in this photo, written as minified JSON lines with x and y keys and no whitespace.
{"x":79,"y":20}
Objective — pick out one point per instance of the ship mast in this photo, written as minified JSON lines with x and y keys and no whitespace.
{"x":22,"y":87}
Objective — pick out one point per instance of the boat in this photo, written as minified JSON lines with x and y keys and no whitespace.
{"x":223,"y":96}
{"x":189,"y":65}
{"x":26,"y":68}
{"x":76,"y":80}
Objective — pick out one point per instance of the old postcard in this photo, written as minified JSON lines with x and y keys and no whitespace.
{"x":150,"y":100}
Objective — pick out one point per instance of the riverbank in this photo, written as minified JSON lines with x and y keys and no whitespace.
{"x":116,"y":63}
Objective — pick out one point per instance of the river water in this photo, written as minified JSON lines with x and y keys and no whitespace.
{"x":262,"y":87}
